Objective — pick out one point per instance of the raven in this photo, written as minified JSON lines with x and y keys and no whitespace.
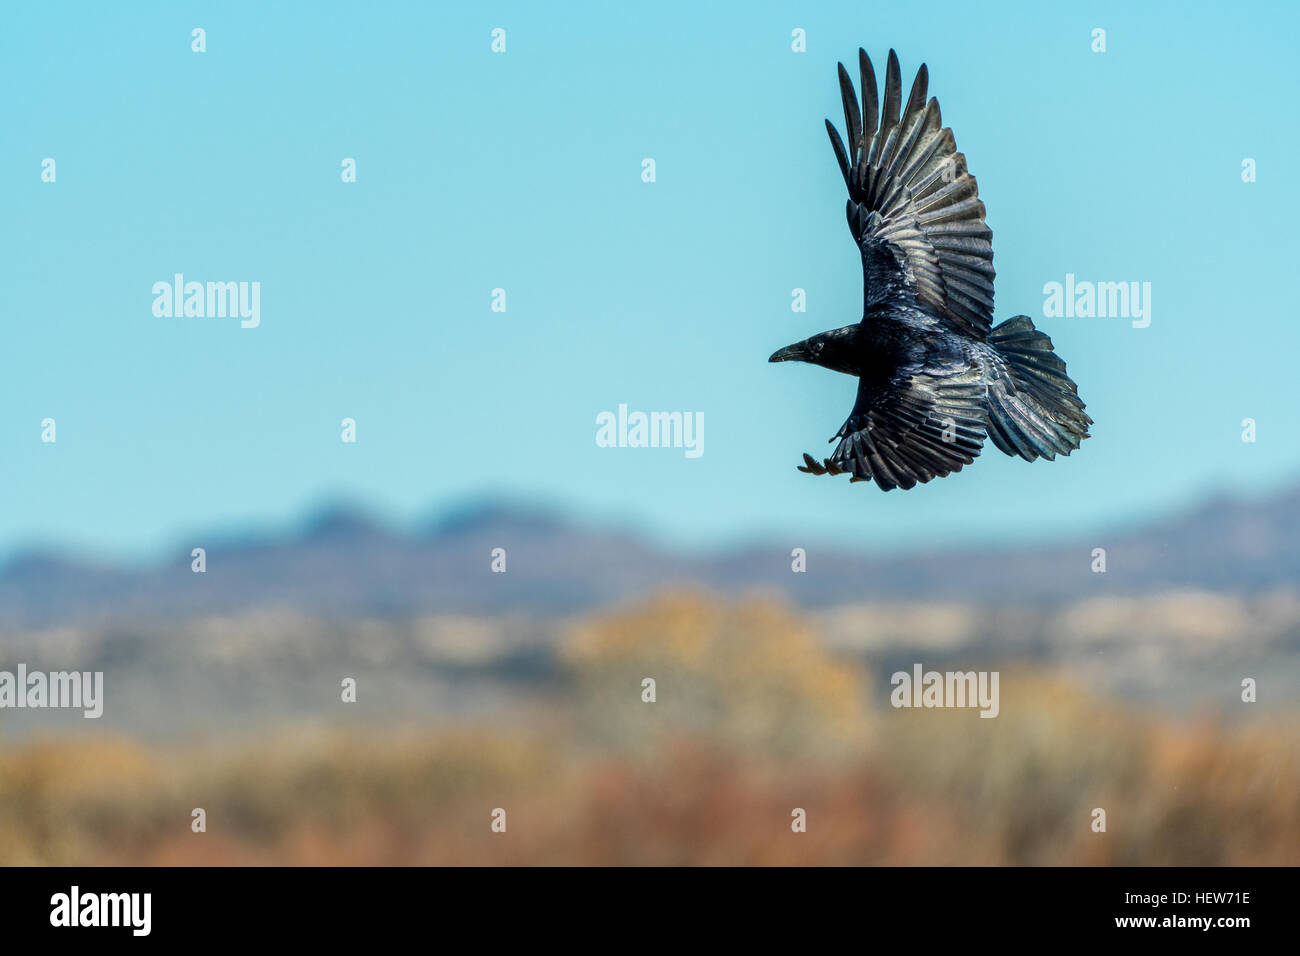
{"x":934,"y":379}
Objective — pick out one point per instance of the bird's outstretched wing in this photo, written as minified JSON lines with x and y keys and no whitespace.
{"x":924,"y":423}
{"x":913,"y":208}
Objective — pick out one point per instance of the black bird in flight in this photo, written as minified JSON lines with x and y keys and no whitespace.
{"x":934,"y":379}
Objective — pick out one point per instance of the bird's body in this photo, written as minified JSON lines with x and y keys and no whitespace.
{"x":934,"y":377}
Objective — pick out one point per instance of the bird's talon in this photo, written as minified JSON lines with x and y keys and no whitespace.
{"x":810,"y":466}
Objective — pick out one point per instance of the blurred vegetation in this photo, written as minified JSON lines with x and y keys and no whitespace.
{"x":753,"y":717}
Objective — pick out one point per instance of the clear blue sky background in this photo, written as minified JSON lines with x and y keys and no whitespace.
{"x":522,"y":171}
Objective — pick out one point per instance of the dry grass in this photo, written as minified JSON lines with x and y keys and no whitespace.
{"x":753,"y":718}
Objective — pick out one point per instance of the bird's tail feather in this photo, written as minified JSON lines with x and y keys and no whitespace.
{"x":1034,"y":407}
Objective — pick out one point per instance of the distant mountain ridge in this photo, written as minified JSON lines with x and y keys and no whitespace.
{"x":344,"y":564}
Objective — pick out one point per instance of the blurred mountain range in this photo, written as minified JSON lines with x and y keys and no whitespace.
{"x":344,"y":565}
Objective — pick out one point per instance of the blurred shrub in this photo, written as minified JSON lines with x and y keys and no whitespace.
{"x":748,"y":674}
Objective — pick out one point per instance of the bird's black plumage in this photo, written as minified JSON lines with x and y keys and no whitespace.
{"x":934,"y":377}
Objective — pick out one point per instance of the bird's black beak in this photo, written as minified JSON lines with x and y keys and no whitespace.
{"x":791,"y":353}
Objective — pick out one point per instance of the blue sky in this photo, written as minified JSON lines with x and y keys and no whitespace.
{"x":522,"y":171}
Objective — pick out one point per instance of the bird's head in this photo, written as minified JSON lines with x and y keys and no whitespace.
{"x":834,"y":350}
{"x":805,"y":351}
